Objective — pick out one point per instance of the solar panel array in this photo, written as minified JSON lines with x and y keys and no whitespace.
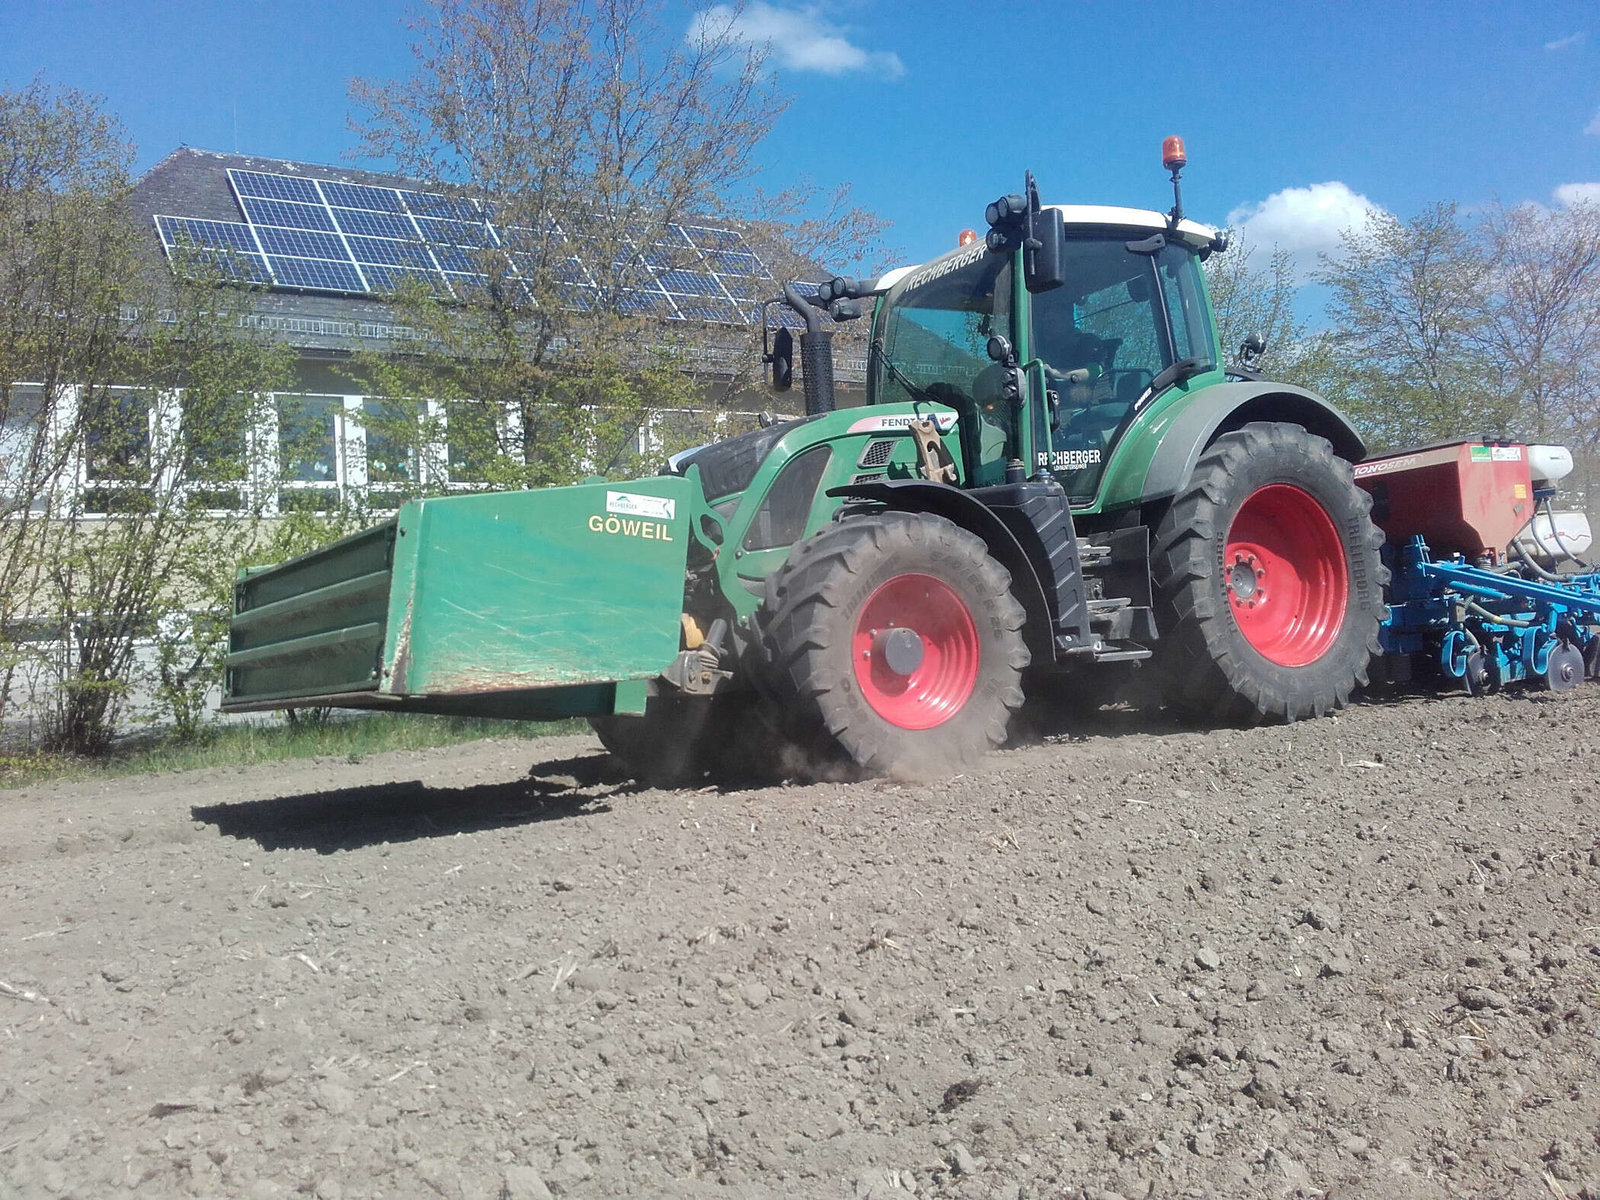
{"x":319,"y":235}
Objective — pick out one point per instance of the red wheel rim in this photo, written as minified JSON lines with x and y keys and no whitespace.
{"x":1285,"y":574}
{"x":938,"y":685}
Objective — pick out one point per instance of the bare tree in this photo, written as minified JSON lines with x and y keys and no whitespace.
{"x":1254,"y":300}
{"x":1542,"y":326}
{"x":590,"y":132}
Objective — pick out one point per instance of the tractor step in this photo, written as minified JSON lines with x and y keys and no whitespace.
{"x":1091,"y":555}
{"x":1121,"y":619}
{"x":1122,"y":654}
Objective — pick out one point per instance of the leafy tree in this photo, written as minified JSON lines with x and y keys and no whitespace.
{"x":126,"y":451}
{"x":1406,"y":355}
{"x":148,"y":548}
{"x":63,"y":258}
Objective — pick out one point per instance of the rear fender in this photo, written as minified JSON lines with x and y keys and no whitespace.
{"x":954,"y":505}
{"x":1182,"y":437}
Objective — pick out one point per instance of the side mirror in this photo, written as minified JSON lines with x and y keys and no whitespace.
{"x":782,"y":360}
{"x":1041,"y":232}
{"x":1045,"y":262}
{"x":1251,"y":349}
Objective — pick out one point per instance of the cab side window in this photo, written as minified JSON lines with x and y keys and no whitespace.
{"x":1191,"y":331}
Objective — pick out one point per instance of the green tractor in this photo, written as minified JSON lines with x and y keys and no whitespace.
{"x":1055,"y":476}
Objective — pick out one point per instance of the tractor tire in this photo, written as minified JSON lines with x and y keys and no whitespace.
{"x":675,"y":742}
{"x":1269,"y":579}
{"x":892,"y":640}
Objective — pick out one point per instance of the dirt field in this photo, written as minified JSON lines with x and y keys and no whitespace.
{"x":1357,"y":957}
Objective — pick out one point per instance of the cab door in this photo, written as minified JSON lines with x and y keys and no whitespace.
{"x":1102,"y":340}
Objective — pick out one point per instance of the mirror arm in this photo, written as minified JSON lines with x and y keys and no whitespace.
{"x":766,"y":344}
{"x":809,"y":311}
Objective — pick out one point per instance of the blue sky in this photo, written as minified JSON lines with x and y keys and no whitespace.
{"x":1296,"y":115}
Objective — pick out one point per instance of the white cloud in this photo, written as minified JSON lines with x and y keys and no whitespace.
{"x":800,"y":39}
{"x":1593,"y":127}
{"x":1305,"y":221}
{"x":1570,"y":194}
{"x":1568,"y":42}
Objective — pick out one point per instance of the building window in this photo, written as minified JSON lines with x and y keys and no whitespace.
{"x":117,"y":425}
{"x":217,"y":448}
{"x":310,"y":452}
{"x":24,"y":449}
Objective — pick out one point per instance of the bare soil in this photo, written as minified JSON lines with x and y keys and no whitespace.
{"x":1352,"y":957}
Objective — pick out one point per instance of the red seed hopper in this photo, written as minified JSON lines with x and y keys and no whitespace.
{"x":1464,"y":498}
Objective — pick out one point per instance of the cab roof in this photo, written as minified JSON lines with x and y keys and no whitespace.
{"x":1082,"y":218}
{"x":1099,"y":216}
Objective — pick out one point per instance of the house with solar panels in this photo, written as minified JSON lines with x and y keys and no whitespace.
{"x":321,"y":247}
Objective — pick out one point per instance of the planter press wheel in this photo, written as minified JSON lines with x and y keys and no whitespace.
{"x":1565,"y":669}
{"x":1482,"y":674}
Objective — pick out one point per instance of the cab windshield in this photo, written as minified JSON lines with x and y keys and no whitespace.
{"x":935,"y":325}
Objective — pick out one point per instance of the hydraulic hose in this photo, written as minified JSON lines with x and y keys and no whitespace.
{"x":1555,"y":532}
{"x":1527,"y":561}
{"x":1479,"y":610}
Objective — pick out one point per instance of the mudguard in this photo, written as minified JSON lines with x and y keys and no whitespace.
{"x":1228,"y":406}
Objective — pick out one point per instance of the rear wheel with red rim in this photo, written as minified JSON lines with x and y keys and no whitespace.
{"x":1270,"y":580}
{"x":1287,"y":580}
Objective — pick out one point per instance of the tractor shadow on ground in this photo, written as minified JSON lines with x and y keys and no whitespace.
{"x":353,"y":817}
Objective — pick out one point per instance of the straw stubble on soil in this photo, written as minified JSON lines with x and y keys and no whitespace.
{"x":1351,"y":957}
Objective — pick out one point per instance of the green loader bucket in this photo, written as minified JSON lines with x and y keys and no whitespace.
{"x":533,"y":604}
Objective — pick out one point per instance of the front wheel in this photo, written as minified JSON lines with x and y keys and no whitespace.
{"x":1268,"y":570}
{"x":675,"y":742}
{"x":894,"y":638}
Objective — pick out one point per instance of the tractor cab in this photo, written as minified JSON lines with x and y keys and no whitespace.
{"x":1124,"y":320}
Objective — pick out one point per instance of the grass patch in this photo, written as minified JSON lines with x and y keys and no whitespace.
{"x":241,"y":745}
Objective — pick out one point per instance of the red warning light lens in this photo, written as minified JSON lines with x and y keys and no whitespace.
{"x":1173,"y":157}
{"x":966,"y":238}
